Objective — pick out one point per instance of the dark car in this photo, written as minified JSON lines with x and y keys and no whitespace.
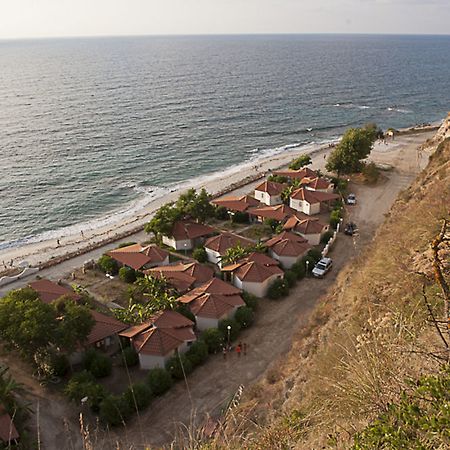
{"x":350,"y":229}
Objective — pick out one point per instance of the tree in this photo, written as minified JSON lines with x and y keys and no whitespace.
{"x":240,"y":217}
{"x":355,"y":145}
{"x":200,"y":254}
{"x":200,"y":207}
{"x":197,"y":353}
{"x":299,"y":269}
{"x":278,"y":289}
{"x":221,"y":213}
{"x":286,"y":194}
{"x":278,"y":179}
{"x":234,"y":254}
{"x":179,"y":366}
{"x":159,"y":380}
{"x":244,"y":316}
{"x":301,"y":161}
{"x":127,"y":274}
{"x":290,"y":277}
{"x":235,"y":328}
{"x":129,"y":357}
{"x":213,"y":338}
{"x":138,"y":396}
{"x":114,"y":410}
{"x":75,"y":322}
{"x":97,"y":363}
{"x":26,"y":321}
{"x":162,"y":222}
{"x":250,"y":300}
{"x":108,"y":265}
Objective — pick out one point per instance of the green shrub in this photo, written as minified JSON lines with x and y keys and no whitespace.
{"x":234,"y":331}
{"x":278,"y":179}
{"x":299,"y":269}
{"x":82,"y":385}
{"x":159,"y":380}
{"x":138,"y":396}
{"x":179,"y":366}
{"x":108,"y":265}
{"x":271,"y":224}
{"x":197,"y":353}
{"x":290,"y":278}
{"x":221,"y":213}
{"x":114,"y":410}
{"x":200,"y":254}
{"x":301,"y":161}
{"x":250,"y":300}
{"x":315,"y":255}
{"x":127,"y":274}
{"x":335,"y":218}
{"x":214,"y":339}
{"x":244,"y":316}
{"x":129,"y":357}
{"x":82,"y":377}
{"x":371,"y":172}
{"x":59,"y":364}
{"x":240,"y":217}
{"x":326,"y":237}
{"x":278,"y":289}
{"x":97,"y":363}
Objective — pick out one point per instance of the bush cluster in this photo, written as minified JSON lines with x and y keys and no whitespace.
{"x":278,"y":289}
{"x":129,"y":357}
{"x":200,"y":254}
{"x":98,"y":364}
{"x":127,"y":274}
{"x":108,"y":265}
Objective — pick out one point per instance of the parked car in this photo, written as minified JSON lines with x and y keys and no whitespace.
{"x":322,"y":267}
{"x":350,"y":229}
{"x":351,"y":199}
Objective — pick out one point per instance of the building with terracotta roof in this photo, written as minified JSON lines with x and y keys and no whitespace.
{"x":216,"y":246}
{"x":279,"y":213}
{"x":288,"y":248}
{"x":309,"y":202}
{"x":183,"y":276}
{"x":187,"y":235}
{"x":49,"y":291}
{"x":269,"y":192}
{"x":255,"y":273}
{"x":160,"y":338}
{"x":9,"y":435}
{"x":237,"y":204}
{"x":138,"y":257}
{"x":213,"y":301}
{"x":309,"y":228}
{"x":299,"y":174}
{"x":318,"y":184}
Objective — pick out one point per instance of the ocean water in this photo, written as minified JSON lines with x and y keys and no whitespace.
{"x":90,"y":127}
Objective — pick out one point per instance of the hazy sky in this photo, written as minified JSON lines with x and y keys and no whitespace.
{"x":40,"y":18}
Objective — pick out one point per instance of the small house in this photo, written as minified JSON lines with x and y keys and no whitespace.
{"x":216,"y":246}
{"x":309,"y":228}
{"x":288,"y":248}
{"x":309,"y":202}
{"x":269,"y":193}
{"x":138,"y":257}
{"x":187,"y":235}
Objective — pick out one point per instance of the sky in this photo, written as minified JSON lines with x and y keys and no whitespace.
{"x":54,"y":18}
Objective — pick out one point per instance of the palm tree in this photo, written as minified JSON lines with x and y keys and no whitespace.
{"x":234,"y":254}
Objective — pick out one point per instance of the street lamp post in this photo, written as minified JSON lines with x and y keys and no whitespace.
{"x":307,"y":268}
{"x":229,"y":331}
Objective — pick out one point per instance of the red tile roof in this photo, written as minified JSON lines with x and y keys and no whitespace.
{"x":271,"y":187}
{"x":261,"y":258}
{"x":240,"y":204}
{"x":306,"y":195}
{"x":306,"y":226}
{"x":157,"y":342}
{"x":324,"y":196}
{"x":214,"y":286}
{"x":222,"y":242}
{"x":136,"y":256}
{"x":180,"y":281}
{"x":198,"y":272}
{"x":104,"y":327}
{"x":49,"y":291}
{"x":256,"y":273}
{"x":305,"y":172}
{"x":184,"y":230}
{"x":289,"y":244}
{"x":278,"y":212}
{"x":8,"y":431}
{"x":215,"y":306}
{"x":318,"y":183}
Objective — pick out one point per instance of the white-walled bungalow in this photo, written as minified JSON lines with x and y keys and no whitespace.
{"x":255,"y":273}
{"x":159,"y":338}
{"x":269,"y":192}
{"x":187,"y":235}
{"x":236,"y":204}
{"x":309,"y":202}
{"x":287,"y":248}
{"x":212,"y":302}
{"x":138,"y":257}
{"x":216,"y":246}
{"x":309,"y":228}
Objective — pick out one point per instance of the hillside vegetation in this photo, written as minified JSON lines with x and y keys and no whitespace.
{"x":371,"y":370}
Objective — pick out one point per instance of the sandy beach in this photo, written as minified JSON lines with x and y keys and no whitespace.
{"x":90,"y":243}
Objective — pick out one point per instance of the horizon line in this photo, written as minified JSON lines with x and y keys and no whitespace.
{"x":94,"y":36}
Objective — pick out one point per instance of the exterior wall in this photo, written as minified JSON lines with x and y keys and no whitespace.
{"x":304,"y":207}
{"x":213,"y":256}
{"x":286,"y":261}
{"x":177,"y":245}
{"x":147,"y":362}
{"x":157,"y":264}
{"x":313,"y":239}
{"x":268,"y":200}
{"x":203,"y":323}
{"x":258,"y":289}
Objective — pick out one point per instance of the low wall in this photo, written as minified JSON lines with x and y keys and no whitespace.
{"x":25,"y":273}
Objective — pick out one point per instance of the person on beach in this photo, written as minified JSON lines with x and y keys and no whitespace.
{"x":239,"y":349}
{"x":57,"y":242}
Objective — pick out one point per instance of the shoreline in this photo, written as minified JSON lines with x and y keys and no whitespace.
{"x":238,"y":179}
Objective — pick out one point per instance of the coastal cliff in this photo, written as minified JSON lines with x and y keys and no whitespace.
{"x":370,"y":342}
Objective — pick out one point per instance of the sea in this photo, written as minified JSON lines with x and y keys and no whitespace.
{"x":93,"y":129}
